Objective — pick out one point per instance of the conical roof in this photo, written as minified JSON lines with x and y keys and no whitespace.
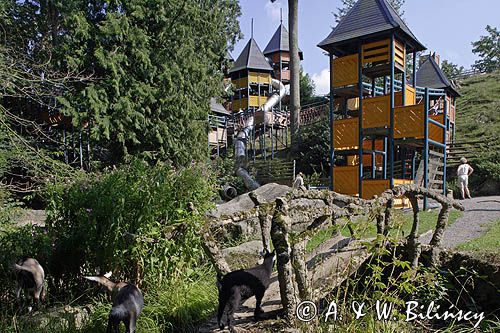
{"x":280,"y":42}
{"x":431,"y":75}
{"x":368,"y":18}
{"x":251,"y":58}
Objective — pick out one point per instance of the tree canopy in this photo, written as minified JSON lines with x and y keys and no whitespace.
{"x":488,"y":50}
{"x":451,"y":70}
{"x":155,"y":65}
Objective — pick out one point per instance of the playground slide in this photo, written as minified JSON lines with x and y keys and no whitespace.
{"x":241,"y":137}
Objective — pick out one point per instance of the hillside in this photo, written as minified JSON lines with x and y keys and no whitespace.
{"x":478,"y":118}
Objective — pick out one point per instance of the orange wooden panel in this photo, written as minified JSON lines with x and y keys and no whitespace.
{"x":345,"y":70}
{"x":376,"y":111}
{"x":436,"y":132}
{"x":410,"y":97}
{"x":345,"y":179}
{"x":373,"y":187}
{"x":409,"y":121}
{"x":345,"y":133}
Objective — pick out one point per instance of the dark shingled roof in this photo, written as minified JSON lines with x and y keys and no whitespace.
{"x":368,"y":17}
{"x":430,"y":75}
{"x":216,"y":107}
{"x":280,"y":42}
{"x":251,"y":58}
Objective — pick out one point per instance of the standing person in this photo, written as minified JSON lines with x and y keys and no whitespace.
{"x":299,"y":181}
{"x":464,"y":171}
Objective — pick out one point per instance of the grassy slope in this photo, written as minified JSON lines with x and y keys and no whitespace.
{"x":478,"y":117}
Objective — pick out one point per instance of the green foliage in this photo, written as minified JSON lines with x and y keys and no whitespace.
{"x":488,"y":50}
{"x":134,"y":221}
{"x":307,"y":88}
{"x":154,"y":66}
{"x":348,"y":4}
{"x":314,"y":148}
{"x":450,"y":69}
{"x":158,"y":63}
{"x":478,"y":118}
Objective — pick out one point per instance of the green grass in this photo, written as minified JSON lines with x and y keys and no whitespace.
{"x":365,"y":228}
{"x":478,"y":118}
{"x":489,"y":242}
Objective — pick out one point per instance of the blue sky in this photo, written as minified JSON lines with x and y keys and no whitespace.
{"x":445,"y":26}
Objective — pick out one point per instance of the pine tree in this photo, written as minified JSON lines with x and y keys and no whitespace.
{"x":155,"y":64}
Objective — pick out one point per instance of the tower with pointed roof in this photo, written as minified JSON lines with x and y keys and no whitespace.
{"x":251,"y":77}
{"x":278,"y":51}
{"x":381,"y":126}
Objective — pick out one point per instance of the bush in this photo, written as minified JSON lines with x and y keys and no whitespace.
{"x":133,"y":221}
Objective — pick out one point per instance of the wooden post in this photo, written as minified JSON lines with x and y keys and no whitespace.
{"x":279,"y":234}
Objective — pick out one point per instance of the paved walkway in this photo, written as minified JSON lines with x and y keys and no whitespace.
{"x":479,"y":213}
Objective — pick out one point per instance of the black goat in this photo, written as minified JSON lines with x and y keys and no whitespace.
{"x":239,"y":285}
{"x":128,"y":303}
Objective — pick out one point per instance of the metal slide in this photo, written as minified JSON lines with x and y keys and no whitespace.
{"x":241,"y":137}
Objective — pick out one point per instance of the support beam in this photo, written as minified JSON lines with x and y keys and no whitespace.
{"x":426,"y":143}
{"x":445,"y":132}
{"x":403,"y":79}
{"x":332,"y":151}
{"x":391,"y":128}
{"x":414,"y":69}
{"x":360,"y":120}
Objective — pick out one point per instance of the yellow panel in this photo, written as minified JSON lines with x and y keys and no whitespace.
{"x":345,"y":179}
{"x":370,"y":49}
{"x":398,"y":182}
{"x":376,"y":111}
{"x":257,"y":101}
{"x":373,"y":187}
{"x":400,"y":53}
{"x":436,"y":132}
{"x":262,"y":78}
{"x":353,"y":103}
{"x":409,"y":121}
{"x":345,"y":70}
{"x":410,"y":97}
{"x":345,"y":133}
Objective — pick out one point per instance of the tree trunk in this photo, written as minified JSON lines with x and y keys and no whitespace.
{"x":293,"y":22}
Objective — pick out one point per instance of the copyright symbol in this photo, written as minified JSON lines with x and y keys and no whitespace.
{"x":306,"y":311}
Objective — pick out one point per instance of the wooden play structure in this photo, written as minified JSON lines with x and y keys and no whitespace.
{"x":381,"y":127}
{"x":255,"y":77}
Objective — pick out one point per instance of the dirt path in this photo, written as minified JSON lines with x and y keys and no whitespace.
{"x":479,"y":213}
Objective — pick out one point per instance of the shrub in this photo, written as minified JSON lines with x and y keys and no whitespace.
{"x":133,"y":221}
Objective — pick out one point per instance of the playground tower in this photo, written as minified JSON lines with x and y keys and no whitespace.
{"x":384,"y":131}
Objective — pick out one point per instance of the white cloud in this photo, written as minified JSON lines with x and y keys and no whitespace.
{"x":273,"y":10}
{"x":322,"y":82}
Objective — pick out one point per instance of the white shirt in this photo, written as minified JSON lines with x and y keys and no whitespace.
{"x":463,"y":170}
